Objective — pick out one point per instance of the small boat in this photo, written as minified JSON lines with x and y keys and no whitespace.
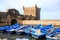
{"x":11,"y":28}
{"x":48,"y":28}
{"x":24,"y":30}
{"x":20,"y":30}
{"x":55,"y":35}
{"x":35,"y":31}
{"x":2,"y":29}
{"x":41,"y":31}
{"x":27,"y":31}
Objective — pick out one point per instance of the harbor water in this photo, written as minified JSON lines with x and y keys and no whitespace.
{"x":7,"y":36}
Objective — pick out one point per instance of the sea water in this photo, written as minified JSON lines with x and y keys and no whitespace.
{"x":7,"y":36}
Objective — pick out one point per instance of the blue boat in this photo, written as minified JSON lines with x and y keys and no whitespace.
{"x":55,"y":35}
{"x":11,"y":28}
{"x":14,"y":28}
{"x":25,"y":29}
{"x":34,"y":31}
{"x":47,"y":29}
{"x":41,"y":31}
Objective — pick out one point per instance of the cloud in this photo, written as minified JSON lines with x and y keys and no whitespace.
{"x":50,"y":5}
{"x":48,"y":2}
{"x":50,"y":9}
{"x":50,"y":15}
{"x":17,"y":4}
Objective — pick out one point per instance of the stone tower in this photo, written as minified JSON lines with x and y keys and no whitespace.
{"x":32,"y":11}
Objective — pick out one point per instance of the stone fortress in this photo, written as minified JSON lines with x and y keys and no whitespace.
{"x":32,"y":11}
{"x":31,"y":16}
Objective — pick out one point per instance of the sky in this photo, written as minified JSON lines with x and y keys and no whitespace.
{"x":50,"y":9}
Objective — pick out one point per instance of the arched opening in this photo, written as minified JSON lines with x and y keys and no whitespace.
{"x":13,"y":21}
